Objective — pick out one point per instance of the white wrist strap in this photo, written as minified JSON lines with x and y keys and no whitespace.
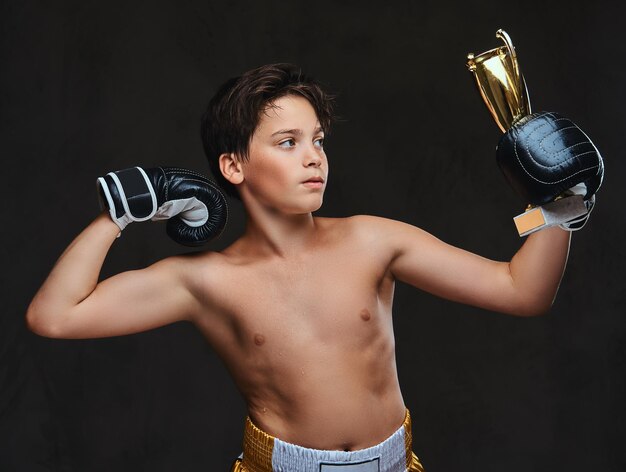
{"x":559,"y":212}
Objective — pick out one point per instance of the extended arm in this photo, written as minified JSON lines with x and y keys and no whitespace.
{"x":525,"y":286}
{"x":543,"y":156}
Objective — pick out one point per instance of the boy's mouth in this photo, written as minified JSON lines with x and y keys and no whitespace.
{"x":314,"y":179}
{"x":314,"y":182}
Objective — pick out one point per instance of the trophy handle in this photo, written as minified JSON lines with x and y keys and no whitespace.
{"x":503,"y":35}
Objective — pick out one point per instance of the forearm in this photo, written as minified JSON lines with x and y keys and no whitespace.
{"x":75,"y":274}
{"x":537,"y":268}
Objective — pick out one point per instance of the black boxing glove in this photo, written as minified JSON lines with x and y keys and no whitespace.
{"x":194,"y":206}
{"x":544,"y":156}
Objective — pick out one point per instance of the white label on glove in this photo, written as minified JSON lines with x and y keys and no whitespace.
{"x":550,"y":214}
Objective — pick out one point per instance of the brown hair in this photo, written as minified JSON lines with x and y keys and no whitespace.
{"x":234,"y":112}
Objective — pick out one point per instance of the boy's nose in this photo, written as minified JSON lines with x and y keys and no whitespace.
{"x":313,"y":158}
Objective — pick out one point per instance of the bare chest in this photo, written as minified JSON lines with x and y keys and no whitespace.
{"x":333,"y":298}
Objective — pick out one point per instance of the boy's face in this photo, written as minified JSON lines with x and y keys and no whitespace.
{"x":286,"y":150}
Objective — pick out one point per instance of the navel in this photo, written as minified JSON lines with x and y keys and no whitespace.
{"x":259,"y":339}
{"x":365,"y":314}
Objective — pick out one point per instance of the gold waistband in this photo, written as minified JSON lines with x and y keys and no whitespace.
{"x":258,"y":447}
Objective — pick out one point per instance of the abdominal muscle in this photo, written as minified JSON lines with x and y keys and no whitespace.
{"x":318,"y":382}
{"x":328,"y":398}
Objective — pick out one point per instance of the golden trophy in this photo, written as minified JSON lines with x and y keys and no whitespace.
{"x":501,"y":83}
{"x":503,"y":88}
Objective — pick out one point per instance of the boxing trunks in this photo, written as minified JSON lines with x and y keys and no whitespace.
{"x":265,"y":453}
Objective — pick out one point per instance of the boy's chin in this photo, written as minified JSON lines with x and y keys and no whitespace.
{"x":305,"y":208}
{"x":292,"y":205}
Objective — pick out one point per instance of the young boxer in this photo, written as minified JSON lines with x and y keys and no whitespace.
{"x":299,"y":307}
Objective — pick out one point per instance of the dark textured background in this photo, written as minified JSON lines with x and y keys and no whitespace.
{"x":87,"y":87}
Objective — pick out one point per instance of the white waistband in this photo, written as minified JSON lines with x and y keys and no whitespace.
{"x":388,"y":456}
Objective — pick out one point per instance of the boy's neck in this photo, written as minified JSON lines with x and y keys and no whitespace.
{"x":280,"y":235}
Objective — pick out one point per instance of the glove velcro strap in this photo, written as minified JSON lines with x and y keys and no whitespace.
{"x":551,"y":214}
{"x":136,"y":193}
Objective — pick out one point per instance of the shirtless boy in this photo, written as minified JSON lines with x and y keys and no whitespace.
{"x":299,"y":307}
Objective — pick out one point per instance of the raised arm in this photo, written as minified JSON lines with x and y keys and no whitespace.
{"x":72,"y":304}
{"x":525,"y":286}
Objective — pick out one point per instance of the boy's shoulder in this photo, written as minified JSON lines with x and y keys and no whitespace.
{"x":367,"y":230}
{"x":370,"y":242}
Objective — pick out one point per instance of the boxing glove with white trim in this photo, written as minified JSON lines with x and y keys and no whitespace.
{"x":545,"y":156}
{"x":194,"y":206}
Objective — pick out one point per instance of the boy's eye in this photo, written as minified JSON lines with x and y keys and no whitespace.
{"x":287,"y":143}
{"x":319,"y":142}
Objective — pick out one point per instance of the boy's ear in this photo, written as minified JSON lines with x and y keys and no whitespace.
{"x":231,"y":168}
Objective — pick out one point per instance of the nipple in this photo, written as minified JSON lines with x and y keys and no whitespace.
{"x":365,"y":314}
{"x":259,"y":339}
